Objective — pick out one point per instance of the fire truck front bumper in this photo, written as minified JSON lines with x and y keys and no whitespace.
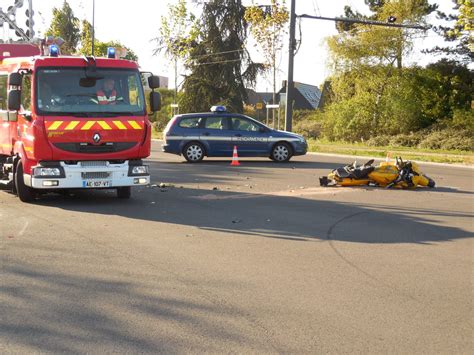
{"x":88,"y":174}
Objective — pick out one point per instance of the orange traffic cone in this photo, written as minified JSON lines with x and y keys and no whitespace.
{"x":235,"y":157}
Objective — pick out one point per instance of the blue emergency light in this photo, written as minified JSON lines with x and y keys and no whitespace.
{"x":218,"y":108}
{"x":53,"y":50}
{"x":110,"y":52}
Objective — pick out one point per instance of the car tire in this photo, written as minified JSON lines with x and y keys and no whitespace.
{"x":193,"y":152}
{"x":124,"y":192}
{"x":281,"y":152}
{"x":25,"y":193}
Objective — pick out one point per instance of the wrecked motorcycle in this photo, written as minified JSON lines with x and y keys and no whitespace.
{"x":398,"y":174}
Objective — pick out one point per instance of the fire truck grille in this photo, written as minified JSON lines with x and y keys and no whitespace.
{"x":95,"y":175}
{"x":93,"y":163}
{"x":88,"y":148}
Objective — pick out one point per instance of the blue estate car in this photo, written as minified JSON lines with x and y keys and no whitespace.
{"x":215,"y":133}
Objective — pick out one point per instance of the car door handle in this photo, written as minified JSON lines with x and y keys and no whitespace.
{"x":238,"y":135}
{"x":206,"y":134}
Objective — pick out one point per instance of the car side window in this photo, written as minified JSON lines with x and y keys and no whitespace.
{"x":191,"y":122}
{"x":242,"y":124}
{"x":214,"y":123}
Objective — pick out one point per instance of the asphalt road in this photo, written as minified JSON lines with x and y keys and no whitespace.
{"x":269,"y":262}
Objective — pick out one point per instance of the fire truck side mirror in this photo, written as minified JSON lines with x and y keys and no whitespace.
{"x":154,"y":82}
{"x":155,"y":101}
{"x":14,"y":79}
{"x":14,"y":100}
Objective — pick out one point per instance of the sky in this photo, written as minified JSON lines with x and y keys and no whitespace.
{"x":135,"y":23}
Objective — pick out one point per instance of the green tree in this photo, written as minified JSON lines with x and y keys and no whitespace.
{"x":161,"y":118}
{"x":177,"y":33}
{"x":100,"y":48}
{"x":359,"y":44}
{"x":268,"y":26}
{"x":65,"y":25}
{"x":458,"y":29}
{"x":219,"y":66}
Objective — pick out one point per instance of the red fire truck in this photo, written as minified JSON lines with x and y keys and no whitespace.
{"x":72,"y":122}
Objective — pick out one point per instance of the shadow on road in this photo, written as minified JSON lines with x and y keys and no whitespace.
{"x":66,"y":312}
{"x":283,"y":217}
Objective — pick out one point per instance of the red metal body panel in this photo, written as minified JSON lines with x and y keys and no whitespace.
{"x":34,"y":141}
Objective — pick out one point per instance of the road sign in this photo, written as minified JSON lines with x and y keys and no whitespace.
{"x":273,"y":106}
{"x":259,"y":106}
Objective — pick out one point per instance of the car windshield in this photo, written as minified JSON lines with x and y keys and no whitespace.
{"x":69,"y":91}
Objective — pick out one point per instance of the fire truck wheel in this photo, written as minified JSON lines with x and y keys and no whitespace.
{"x":124,"y":192}
{"x":25,"y":193}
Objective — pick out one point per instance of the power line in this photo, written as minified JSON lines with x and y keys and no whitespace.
{"x":217,"y":53}
{"x":220,"y":62}
{"x":315,"y":6}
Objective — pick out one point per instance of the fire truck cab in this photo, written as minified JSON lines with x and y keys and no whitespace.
{"x":72,"y":122}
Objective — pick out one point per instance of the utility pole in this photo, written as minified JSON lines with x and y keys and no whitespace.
{"x":289,"y":81}
{"x":30,"y":20}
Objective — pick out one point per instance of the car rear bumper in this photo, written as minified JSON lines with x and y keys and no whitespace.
{"x":171,"y":148}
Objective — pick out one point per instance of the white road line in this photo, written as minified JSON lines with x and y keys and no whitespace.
{"x":24,"y":227}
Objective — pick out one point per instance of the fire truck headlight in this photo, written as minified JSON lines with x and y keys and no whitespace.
{"x":47,"y":172}
{"x":139,"y":170}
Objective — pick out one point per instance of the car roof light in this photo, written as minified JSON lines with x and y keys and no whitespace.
{"x":218,"y":109}
{"x":111,"y":52}
{"x":53,"y":50}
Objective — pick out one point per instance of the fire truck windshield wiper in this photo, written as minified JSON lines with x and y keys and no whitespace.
{"x":79,"y":114}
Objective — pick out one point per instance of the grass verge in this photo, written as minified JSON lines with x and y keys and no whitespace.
{"x":437,"y":156}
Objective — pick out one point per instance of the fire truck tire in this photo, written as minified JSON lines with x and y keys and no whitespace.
{"x":124,"y":192}
{"x":25,"y":193}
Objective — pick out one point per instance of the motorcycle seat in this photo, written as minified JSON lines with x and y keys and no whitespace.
{"x":363,"y":172}
{"x":358,"y":173}
{"x":342,"y":173}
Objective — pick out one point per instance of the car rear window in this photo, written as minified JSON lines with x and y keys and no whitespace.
{"x":191,"y":122}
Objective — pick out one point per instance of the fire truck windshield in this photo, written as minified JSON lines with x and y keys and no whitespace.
{"x":68,"y":91}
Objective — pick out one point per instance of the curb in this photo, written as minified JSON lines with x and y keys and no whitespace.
{"x":470,"y":167}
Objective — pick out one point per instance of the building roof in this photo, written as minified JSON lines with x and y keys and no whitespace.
{"x":306,"y":96}
{"x":311,"y":93}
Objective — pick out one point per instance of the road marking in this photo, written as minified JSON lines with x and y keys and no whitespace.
{"x":22,"y":231}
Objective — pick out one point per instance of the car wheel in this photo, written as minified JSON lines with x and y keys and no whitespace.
{"x":281,"y":152}
{"x":25,"y":193}
{"x":124,"y":192}
{"x":193,"y":152}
